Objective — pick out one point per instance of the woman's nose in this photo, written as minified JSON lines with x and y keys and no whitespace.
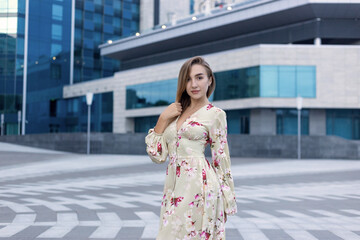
{"x":193,"y":83}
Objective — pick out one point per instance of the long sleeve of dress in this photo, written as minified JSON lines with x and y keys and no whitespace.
{"x":221,"y":161}
{"x":156,"y":146}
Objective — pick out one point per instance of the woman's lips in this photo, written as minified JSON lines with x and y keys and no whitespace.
{"x":195,"y":92}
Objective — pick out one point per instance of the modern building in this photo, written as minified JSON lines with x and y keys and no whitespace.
{"x":264,"y":53}
{"x":59,"y":47}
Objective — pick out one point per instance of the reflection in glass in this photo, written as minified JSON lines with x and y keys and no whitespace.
{"x":55,"y":49}
{"x":343,"y":123}
{"x":8,"y":25}
{"x":143,"y":124}
{"x":57,"y":12}
{"x":287,"y":122}
{"x":269,"y":81}
{"x":238,"y":83}
{"x":98,"y":21}
{"x":238,"y":121}
{"x":305,"y":77}
{"x":152,"y":94}
{"x":288,"y":81}
{"x":56,"y":31}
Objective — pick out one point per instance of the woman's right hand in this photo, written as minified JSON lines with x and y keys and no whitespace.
{"x":173,"y":110}
{"x":170,"y":112}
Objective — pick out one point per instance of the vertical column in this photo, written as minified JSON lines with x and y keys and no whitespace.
{"x":72,"y":42}
{"x":146,"y":15}
{"x":317,"y":122}
{"x":262,"y":122}
{"x":317,"y":41}
{"x":156,"y":12}
{"x":26,"y":39}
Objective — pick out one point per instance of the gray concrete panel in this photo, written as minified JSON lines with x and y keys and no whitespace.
{"x":264,"y":146}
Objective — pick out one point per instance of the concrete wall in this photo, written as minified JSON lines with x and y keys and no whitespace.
{"x":256,"y":146}
{"x":317,"y":122}
{"x":262,"y":122}
{"x":146,"y":15}
{"x":169,"y":10}
{"x":173,"y":9}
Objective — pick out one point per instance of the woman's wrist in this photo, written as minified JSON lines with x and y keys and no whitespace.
{"x":161,"y":125}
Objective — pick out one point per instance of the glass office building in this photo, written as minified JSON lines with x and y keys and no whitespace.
{"x":96,"y":22}
{"x":49,"y":60}
{"x":12,"y":22}
{"x":262,"y":60}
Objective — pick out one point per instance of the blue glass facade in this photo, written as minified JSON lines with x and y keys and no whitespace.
{"x":12,"y":19}
{"x":343,"y":123}
{"x":70,"y":115}
{"x":288,"y":81}
{"x":192,"y":3}
{"x":287,"y":122}
{"x":259,"y":81}
{"x":48,"y":60}
{"x":49,"y":39}
{"x":237,"y":83}
{"x":238,"y":121}
{"x":143,"y":124}
{"x":97,"y":21}
{"x":152,"y":94}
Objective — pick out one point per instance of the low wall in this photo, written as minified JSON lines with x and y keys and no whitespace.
{"x":279,"y":146}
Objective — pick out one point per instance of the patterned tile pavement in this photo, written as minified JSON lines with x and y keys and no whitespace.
{"x":54,"y":195}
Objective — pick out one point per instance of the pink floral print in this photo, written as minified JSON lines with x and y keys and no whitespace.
{"x":197,"y":193}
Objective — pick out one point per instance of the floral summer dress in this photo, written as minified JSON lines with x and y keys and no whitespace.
{"x":196,"y":193}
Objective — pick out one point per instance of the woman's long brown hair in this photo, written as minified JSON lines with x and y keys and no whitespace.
{"x":181,"y":95}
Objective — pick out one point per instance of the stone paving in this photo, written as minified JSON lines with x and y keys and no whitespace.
{"x":55,"y":195}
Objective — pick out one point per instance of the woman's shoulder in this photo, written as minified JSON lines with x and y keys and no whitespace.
{"x":214,"y":110}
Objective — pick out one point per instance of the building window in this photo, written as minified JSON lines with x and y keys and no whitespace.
{"x":263,"y":81}
{"x":152,"y":94}
{"x":238,"y":121}
{"x":238,"y":83}
{"x":269,"y":81}
{"x":57,"y":12}
{"x":55,"y":71}
{"x":143,"y":124}
{"x":52,"y":109}
{"x":288,"y":81}
{"x":56,"y":32}
{"x":107,"y":103}
{"x":55,"y":49}
{"x":287,"y":122}
{"x":343,"y":123}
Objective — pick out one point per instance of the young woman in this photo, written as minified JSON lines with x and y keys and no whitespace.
{"x":198,"y":195}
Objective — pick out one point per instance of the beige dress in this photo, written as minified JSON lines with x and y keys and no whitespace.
{"x":196,"y":193}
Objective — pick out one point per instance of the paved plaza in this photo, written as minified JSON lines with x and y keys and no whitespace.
{"x":55,"y":195}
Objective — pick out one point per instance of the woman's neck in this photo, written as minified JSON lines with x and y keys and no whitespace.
{"x":198,"y":103}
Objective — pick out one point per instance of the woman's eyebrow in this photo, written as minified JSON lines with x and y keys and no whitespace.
{"x":199,"y":74}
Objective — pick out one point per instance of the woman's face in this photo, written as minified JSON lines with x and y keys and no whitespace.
{"x":198,"y":83}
